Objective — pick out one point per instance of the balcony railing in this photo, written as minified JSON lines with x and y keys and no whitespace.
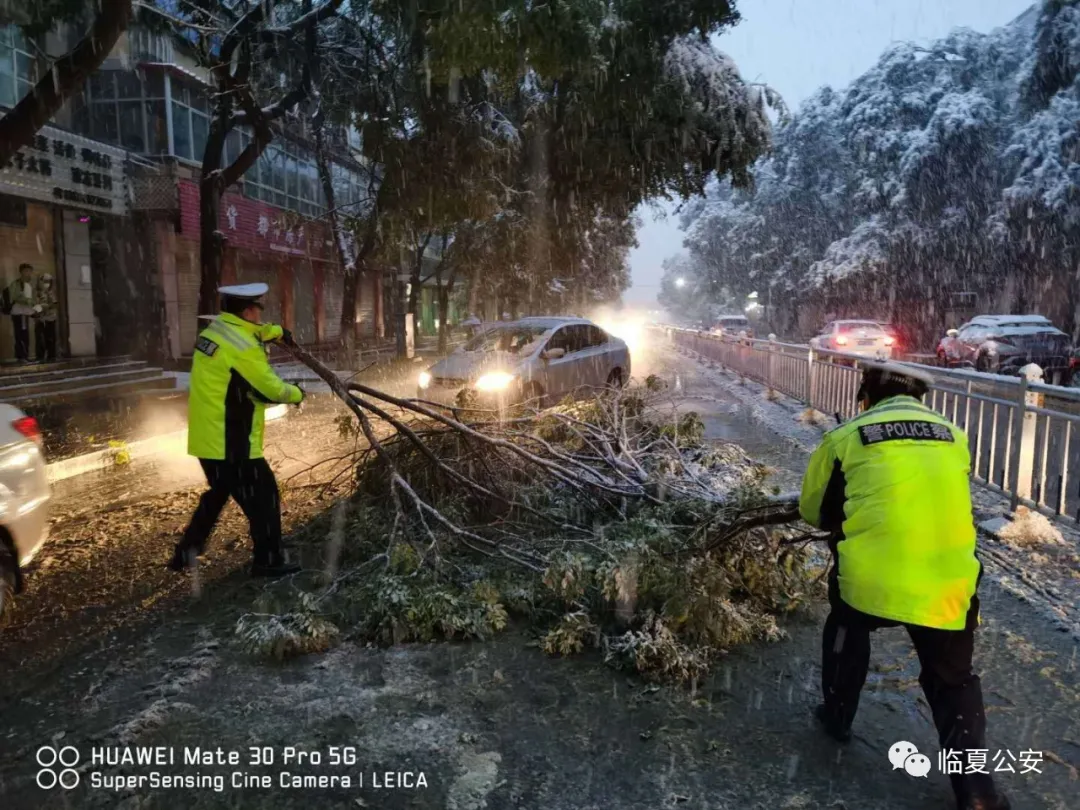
{"x":145,"y":46}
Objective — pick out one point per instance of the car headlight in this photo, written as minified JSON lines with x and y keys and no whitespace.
{"x":424,"y":381}
{"x":496,"y":381}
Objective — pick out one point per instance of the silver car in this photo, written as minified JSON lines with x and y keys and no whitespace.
{"x":24,"y":500}
{"x":533,"y":359}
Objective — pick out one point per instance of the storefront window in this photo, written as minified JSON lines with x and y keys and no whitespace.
{"x":17,"y":69}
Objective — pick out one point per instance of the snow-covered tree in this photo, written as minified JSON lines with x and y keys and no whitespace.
{"x":945,"y":168}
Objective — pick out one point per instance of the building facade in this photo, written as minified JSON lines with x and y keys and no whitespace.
{"x":107,"y":201}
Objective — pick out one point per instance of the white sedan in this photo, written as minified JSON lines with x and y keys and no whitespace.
{"x":864,"y":339}
{"x":533,"y":359}
{"x":24,"y":500}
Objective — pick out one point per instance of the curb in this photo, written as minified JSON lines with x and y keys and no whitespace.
{"x":101,"y":460}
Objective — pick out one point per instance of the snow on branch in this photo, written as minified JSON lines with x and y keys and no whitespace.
{"x":866,"y":249}
{"x":711,"y":81}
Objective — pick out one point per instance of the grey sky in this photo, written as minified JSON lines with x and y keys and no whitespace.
{"x":797,"y":46}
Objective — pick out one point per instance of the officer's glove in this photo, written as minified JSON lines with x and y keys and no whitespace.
{"x":270,"y":332}
{"x":287,"y":338}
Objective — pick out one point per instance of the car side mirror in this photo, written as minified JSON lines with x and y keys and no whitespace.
{"x":952,"y":333}
{"x":553,"y":354}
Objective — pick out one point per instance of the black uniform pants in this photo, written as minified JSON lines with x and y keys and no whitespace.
{"x":20,"y":325}
{"x":951,"y":687}
{"x":45,"y":340}
{"x":253,"y":486}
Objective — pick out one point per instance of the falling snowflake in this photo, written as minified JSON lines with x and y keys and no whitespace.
{"x":290,"y":237}
{"x":264,"y":225}
{"x":231,"y":213}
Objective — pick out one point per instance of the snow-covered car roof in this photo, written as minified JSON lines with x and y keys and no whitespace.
{"x":1009,"y":330}
{"x":1009,"y":320}
{"x":858,"y":323}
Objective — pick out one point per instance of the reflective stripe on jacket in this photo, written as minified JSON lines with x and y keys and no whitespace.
{"x":895,"y":481}
{"x":232,"y":382}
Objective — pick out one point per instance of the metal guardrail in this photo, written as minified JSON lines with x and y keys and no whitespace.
{"x":1020,"y":430}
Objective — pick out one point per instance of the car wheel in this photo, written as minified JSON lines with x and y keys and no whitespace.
{"x":7,"y":586}
{"x":942,"y":359}
{"x":982,"y":363}
{"x":615,"y":379}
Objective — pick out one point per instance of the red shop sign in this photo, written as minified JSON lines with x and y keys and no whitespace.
{"x":254,"y":225}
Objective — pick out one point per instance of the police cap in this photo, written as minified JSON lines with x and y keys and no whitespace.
{"x":249,"y":292}
{"x":899,"y":377}
{"x":238,"y":296}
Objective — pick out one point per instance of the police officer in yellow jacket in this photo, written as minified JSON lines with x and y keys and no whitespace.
{"x":232,"y":382}
{"x":892,"y":485}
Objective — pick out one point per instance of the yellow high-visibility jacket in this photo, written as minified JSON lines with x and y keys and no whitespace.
{"x":232,"y":382}
{"x":895,"y":480}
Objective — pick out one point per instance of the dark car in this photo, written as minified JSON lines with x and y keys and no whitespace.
{"x":1003,"y":344}
{"x":733,"y":326}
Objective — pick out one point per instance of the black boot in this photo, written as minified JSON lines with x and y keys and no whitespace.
{"x":831,"y":726}
{"x":183,"y":559}
{"x":274,"y":567}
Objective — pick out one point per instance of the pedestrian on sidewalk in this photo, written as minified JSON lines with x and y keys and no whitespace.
{"x":892,"y":485}
{"x":232,"y":382}
{"x":20,"y":300}
{"x":47,"y":308}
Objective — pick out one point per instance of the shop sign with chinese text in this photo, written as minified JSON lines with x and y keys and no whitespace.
{"x":253,"y":225}
{"x":66,"y":169}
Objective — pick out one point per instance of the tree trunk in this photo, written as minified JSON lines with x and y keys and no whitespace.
{"x":345,"y":247}
{"x":234,"y":91}
{"x":351,"y":282}
{"x":67,"y":76}
{"x":211,"y":239}
{"x":474,"y":293}
{"x":414,"y":276}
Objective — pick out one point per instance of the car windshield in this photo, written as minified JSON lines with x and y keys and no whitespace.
{"x":510,"y":339}
{"x":734,"y":322}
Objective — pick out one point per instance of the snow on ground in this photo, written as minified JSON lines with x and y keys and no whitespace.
{"x":1029,"y":529}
